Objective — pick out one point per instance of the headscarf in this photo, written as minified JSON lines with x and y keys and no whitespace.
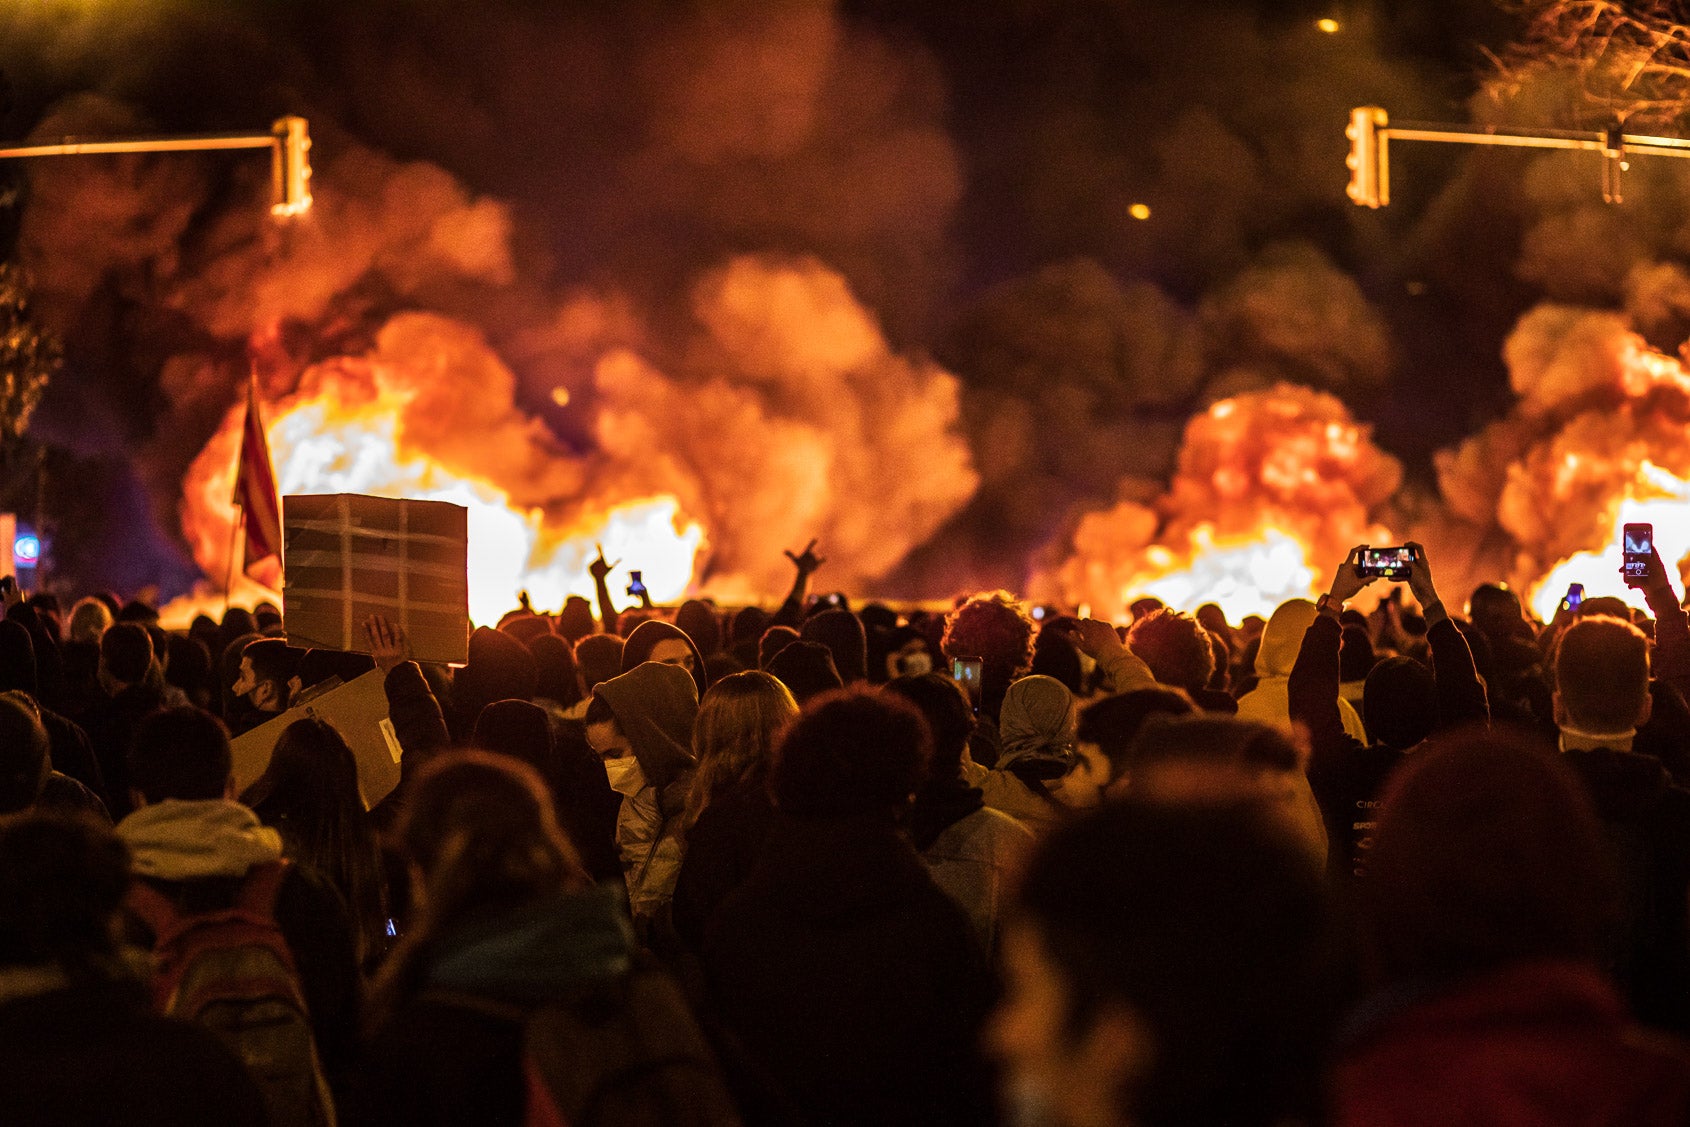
{"x":1037,"y":722}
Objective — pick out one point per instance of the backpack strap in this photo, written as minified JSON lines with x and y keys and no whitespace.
{"x":153,"y":908}
{"x":262,"y":886}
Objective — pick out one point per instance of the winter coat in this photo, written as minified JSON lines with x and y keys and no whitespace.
{"x":1535,"y":1044}
{"x":442,"y":1059}
{"x":198,"y":854}
{"x":655,"y":706}
{"x":92,"y":1054}
{"x":852,"y":980}
{"x":969,"y":858}
{"x":1347,"y":775}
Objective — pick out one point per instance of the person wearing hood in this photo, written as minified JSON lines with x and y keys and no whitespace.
{"x":499,"y":668}
{"x":846,"y":974}
{"x":193,"y":844}
{"x":72,"y":753}
{"x":665,"y":644}
{"x":585,"y":806}
{"x":1282,"y":639}
{"x":806,"y":669}
{"x":509,"y":922}
{"x":842,"y":633}
{"x":640,"y":724}
{"x":968,"y":847}
{"x":1039,"y":771}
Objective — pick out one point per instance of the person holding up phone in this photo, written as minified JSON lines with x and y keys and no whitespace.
{"x":1404,"y":703}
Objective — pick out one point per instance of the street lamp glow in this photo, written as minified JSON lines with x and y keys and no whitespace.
{"x":1329,"y":26}
{"x":1139,"y":211}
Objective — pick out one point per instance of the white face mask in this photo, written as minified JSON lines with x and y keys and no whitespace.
{"x":625,"y":775}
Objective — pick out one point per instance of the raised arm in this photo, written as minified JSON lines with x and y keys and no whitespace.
{"x":1461,"y":695}
{"x":600,"y":570}
{"x":791,"y":612}
{"x":1313,"y":686}
{"x":1123,"y":670}
{"x":1672,"y":630}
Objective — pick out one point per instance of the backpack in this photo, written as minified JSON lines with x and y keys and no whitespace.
{"x":231,"y":971}
{"x":621,"y":1053}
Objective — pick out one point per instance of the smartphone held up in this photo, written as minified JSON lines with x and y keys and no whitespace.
{"x":1638,"y":548}
{"x":1395,"y":564}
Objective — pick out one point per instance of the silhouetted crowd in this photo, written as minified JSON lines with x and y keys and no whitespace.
{"x":846,"y":864}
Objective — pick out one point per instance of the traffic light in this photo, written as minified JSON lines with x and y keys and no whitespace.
{"x":290,"y":166}
{"x":1369,"y":159}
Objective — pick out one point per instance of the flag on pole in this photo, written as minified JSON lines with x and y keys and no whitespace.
{"x":255,"y":486}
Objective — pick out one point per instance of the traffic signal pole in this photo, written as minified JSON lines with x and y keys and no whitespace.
{"x":1370,"y":133}
{"x":289,"y":142}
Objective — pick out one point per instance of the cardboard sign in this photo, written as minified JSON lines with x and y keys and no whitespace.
{"x":358,"y":711}
{"x":346,"y":557}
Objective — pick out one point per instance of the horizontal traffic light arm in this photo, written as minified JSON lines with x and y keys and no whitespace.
{"x":289,"y":142}
{"x":1540,"y":139}
{"x":71,"y":146}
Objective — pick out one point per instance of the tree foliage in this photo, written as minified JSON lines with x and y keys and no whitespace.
{"x":1620,"y":61}
{"x":29,"y":357}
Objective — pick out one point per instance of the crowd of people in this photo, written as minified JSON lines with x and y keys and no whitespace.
{"x":838,"y":864}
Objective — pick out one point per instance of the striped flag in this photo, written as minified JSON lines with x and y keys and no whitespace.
{"x":255,"y":486}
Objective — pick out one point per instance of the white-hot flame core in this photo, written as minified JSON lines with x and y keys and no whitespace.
{"x":1245,"y":575}
{"x":1655,"y":497}
{"x":320,"y":447}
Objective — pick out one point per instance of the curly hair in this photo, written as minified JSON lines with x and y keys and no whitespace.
{"x":995,"y":627}
{"x":1176,"y":647}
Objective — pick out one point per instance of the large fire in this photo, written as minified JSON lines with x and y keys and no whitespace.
{"x":1273,"y":488}
{"x":1656,"y":497}
{"x":347,"y":435}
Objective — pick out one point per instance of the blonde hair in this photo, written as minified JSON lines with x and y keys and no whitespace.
{"x":739,"y":721}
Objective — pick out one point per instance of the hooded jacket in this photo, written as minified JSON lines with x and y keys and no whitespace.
{"x":1036,"y":746}
{"x":198,"y":853}
{"x":655,"y":706}
{"x":637,"y":650}
{"x":1282,"y":639}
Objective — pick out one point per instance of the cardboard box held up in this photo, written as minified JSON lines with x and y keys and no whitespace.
{"x":358,"y":711}
{"x":346,"y":556}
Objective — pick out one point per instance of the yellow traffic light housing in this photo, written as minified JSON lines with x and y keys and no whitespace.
{"x":1369,"y":159}
{"x":290,"y":166}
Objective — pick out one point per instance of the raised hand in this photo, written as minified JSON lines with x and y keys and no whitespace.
{"x":1348,"y":581}
{"x":806,"y":562}
{"x":598,"y":569}
{"x":388,"y":644}
{"x":1420,"y":577}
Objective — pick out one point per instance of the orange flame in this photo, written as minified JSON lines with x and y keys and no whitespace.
{"x":1655,"y":497}
{"x":329,"y":442}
